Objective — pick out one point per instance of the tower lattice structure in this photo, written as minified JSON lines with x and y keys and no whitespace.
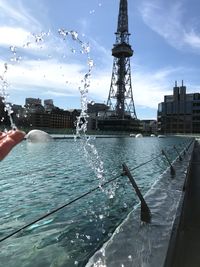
{"x":120,"y":97}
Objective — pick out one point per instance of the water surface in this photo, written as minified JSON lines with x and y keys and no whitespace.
{"x":35,"y":178}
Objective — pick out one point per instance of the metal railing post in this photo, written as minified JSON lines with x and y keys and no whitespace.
{"x":145,"y":211}
{"x":180,"y":158}
{"x":172,"y":170}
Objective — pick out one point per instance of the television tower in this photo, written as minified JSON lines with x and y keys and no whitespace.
{"x":120,"y":97}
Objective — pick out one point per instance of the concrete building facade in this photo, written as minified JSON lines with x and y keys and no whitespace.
{"x":148,"y":126}
{"x":180,"y":112}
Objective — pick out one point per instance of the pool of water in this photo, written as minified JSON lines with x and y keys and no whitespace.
{"x":36,"y":178}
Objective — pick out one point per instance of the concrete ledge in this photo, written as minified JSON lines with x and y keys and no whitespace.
{"x":184,"y":245}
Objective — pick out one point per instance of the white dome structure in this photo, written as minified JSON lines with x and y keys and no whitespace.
{"x":38,"y":136}
{"x":138,"y":135}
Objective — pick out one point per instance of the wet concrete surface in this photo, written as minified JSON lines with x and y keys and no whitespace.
{"x":186,"y":251}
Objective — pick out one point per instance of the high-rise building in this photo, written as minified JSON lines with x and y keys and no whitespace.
{"x":30,"y":101}
{"x":34,"y":105}
{"x":180,"y":112}
{"x":48,"y":105}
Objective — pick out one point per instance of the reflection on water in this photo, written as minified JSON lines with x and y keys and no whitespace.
{"x":37,"y":178}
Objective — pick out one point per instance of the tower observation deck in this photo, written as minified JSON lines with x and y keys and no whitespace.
{"x":121,"y":115}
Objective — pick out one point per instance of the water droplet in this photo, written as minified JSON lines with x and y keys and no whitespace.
{"x":86,"y":48}
{"x":13,"y":49}
{"x":63,"y":32}
{"x":111,"y":196}
{"x":77,"y":235}
{"x":39,"y":37}
{"x":90,"y":63}
{"x":101,"y":216}
{"x":88,"y":237}
{"x":125,"y":206}
{"x":74,"y":35}
{"x":103,"y":252}
{"x":130,"y":257}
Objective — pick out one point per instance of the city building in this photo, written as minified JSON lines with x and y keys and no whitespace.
{"x":19,"y":115}
{"x":180,"y":112}
{"x":51,"y":120}
{"x":49,"y":116}
{"x":56,"y":118}
{"x":95,"y":111}
{"x":48,"y":105}
{"x":34,"y":115}
{"x":148,"y":126}
{"x":34,"y":105}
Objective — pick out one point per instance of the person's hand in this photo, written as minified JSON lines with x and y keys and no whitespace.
{"x":8,"y":140}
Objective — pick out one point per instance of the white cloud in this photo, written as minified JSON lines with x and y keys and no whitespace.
{"x":148,"y":86}
{"x":16,"y":13}
{"x":13,"y":36}
{"x":169,"y":20}
{"x":192,"y":39}
{"x":45,"y":75}
{"x":17,"y":26}
{"x":53,"y":93}
{"x":53,"y":78}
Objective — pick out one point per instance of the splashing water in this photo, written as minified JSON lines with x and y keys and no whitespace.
{"x":5,"y":95}
{"x":82,"y":121}
{"x":88,"y":146}
{"x":15,"y":57}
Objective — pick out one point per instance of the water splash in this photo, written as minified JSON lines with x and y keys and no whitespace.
{"x":87,"y":142}
{"x":39,"y":40}
{"x":5,"y":95}
{"x":89,"y":148}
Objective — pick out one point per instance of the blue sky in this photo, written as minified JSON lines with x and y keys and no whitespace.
{"x":165,"y":36}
